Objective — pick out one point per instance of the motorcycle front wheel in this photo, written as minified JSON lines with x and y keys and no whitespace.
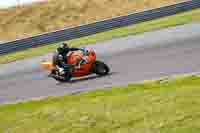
{"x":100,"y":68}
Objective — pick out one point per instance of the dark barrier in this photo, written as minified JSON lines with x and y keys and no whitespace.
{"x":93,"y":28}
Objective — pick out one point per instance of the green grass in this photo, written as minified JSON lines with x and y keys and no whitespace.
{"x":163,"y":106}
{"x":180,"y":19}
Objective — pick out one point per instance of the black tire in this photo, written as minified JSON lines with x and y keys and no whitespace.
{"x":100,"y":68}
{"x":67,"y":76}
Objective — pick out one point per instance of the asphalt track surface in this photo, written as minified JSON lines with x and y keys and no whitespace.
{"x":132,"y":59}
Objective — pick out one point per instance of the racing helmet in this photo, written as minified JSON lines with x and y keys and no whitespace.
{"x":62,"y":47}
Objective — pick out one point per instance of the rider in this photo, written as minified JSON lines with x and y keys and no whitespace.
{"x":60,"y":58}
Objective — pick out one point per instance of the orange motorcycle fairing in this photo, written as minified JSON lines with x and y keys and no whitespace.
{"x":83,"y":69}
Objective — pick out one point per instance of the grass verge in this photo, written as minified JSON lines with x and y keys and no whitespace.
{"x":164,"y":106}
{"x":179,"y":19}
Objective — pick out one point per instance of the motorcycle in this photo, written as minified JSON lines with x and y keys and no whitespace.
{"x":78,"y":65}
